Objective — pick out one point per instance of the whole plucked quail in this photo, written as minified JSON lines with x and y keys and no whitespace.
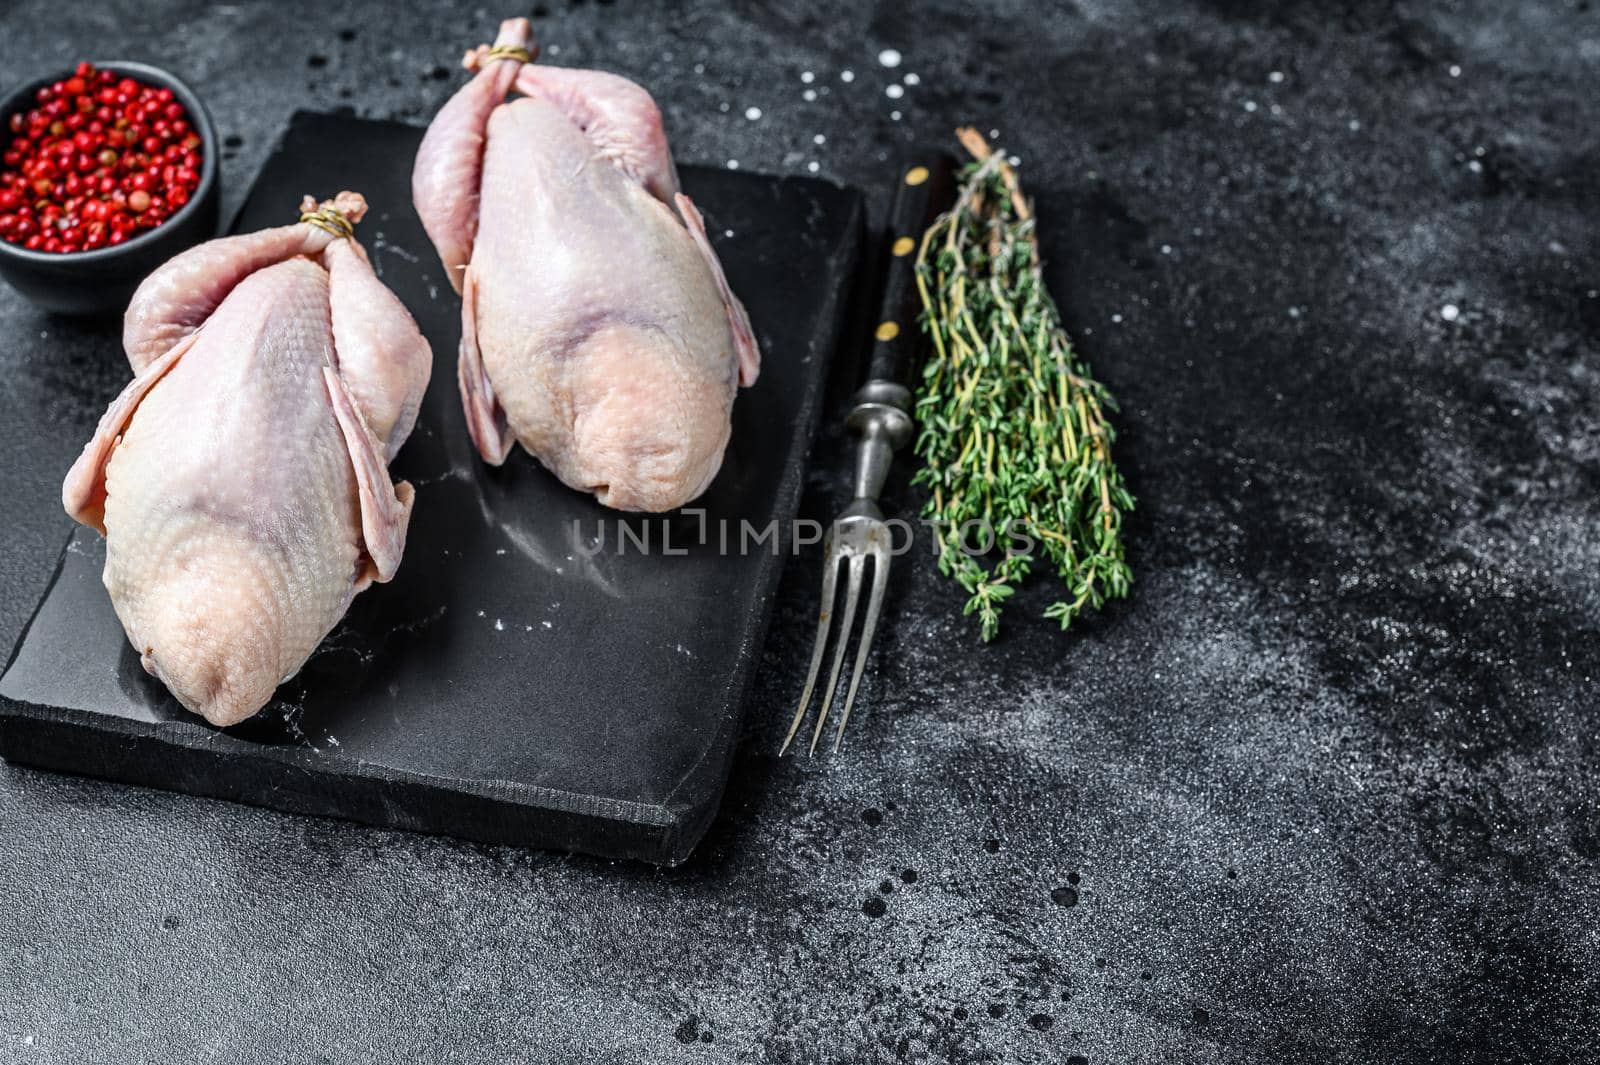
{"x":597,"y":326}
{"x":241,"y":479}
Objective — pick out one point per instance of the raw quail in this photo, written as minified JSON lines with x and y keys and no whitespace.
{"x":597,"y":327}
{"x":241,"y":479}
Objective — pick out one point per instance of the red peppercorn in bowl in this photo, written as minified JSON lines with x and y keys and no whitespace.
{"x":107,"y":172}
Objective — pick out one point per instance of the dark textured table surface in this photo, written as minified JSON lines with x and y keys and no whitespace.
{"x":1324,"y":789}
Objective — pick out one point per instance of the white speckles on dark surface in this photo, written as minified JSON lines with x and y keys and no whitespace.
{"x":1327,"y":777}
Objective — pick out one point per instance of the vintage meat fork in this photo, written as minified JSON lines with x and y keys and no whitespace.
{"x":881,"y":418}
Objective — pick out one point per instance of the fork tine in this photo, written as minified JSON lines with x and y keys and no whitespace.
{"x":880,"y":579}
{"x":830,"y":583}
{"x":852,"y":596}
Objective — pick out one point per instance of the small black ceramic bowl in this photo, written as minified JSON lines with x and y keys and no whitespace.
{"x":100,"y":281}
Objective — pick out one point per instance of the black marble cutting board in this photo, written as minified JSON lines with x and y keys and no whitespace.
{"x":513,"y":683}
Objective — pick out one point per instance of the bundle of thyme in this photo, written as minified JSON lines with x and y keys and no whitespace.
{"x":1014,"y":440}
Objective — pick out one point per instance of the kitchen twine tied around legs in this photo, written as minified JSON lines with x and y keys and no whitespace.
{"x":505,"y":51}
{"x":326,"y":218}
{"x":480,"y":57}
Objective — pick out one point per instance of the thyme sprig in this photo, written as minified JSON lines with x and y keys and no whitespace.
{"x":1014,"y":439}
